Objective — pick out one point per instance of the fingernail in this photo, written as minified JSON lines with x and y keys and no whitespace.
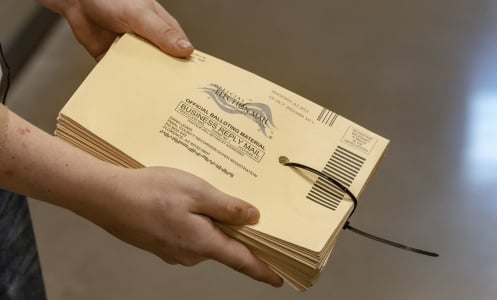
{"x":183,"y":44}
{"x":252,"y":215}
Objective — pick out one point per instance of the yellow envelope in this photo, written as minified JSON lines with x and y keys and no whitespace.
{"x":141,"y":107}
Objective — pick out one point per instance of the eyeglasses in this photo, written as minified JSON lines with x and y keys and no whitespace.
{"x":286,"y":162}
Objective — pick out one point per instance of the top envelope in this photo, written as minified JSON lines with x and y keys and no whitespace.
{"x":229,"y":127}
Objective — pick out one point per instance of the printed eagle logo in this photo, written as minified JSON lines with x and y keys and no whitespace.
{"x":260,"y":113}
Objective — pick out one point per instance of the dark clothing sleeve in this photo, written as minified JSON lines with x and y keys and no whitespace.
{"x":20,"y":273}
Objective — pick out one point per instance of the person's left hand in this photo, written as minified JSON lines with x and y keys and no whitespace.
{"x":96,"y":24}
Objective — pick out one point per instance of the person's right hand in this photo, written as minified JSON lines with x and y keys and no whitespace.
{"x":166,"y":211}
{"x":171,"y":213}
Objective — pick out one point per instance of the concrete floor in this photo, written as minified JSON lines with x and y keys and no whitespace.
{"x":422,"y":73}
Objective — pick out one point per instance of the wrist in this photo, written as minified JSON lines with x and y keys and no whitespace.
{"x":43,"y":167}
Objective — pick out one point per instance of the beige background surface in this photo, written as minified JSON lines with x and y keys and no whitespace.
{"x":421,"y":73}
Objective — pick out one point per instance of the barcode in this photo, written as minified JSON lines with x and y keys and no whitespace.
{"x":327,"y":117}
{"x":343,"y":166}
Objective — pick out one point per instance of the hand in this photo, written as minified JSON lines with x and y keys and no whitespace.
{"x":166,"y":211}
{"x":96,"y":24}
{"x":171,"y":213}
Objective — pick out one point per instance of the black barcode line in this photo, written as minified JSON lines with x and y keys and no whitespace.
{"x":331,"y":118}
{"x":339,"y":175}
{"x":346,"y":159}
{"x":334,"y":118}
{"x":326,"y":193}
{"x":343,"y":166}
{"x":324,"y":198}
{"x":332,"y":207}
{"x":323,"y":202}
{"x":321,"y":115}
{"x":329,"y":189}
{"x":327,"y":117}
{"x":350,"y":154}
{"x":339,"y":167}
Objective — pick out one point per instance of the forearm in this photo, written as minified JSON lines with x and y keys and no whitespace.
{"x":39,"y":165}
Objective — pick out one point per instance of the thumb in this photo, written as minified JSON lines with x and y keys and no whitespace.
{"x":163,"y":30}
{"x":227,"y":209}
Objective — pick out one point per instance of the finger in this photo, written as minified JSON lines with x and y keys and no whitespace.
{"x":165,"y":34}
{"x":226,"y":209}
{"x":95,"y":39}
{"x":99,"y":45}
{"x":166,"y":16}
{"x":235,"y":255}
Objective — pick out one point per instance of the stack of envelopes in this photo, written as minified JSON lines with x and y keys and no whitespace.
{"x":140,"y":107}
